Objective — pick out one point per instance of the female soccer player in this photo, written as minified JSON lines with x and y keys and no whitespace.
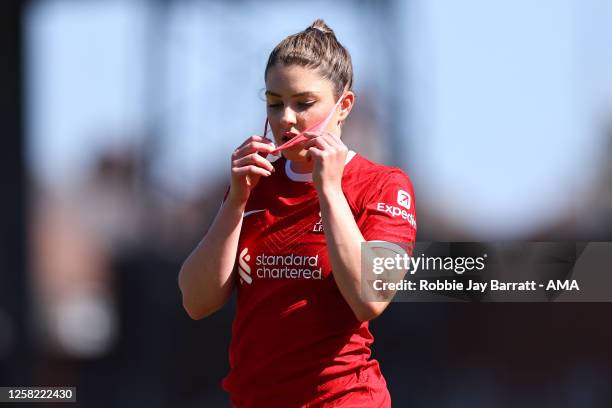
{"x":288,"y":238}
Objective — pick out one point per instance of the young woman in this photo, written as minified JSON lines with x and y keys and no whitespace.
{"x":288,"y":238}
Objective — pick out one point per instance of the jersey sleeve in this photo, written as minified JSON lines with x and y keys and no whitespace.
{"x":390,"y":211}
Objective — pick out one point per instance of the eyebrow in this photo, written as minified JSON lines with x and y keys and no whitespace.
{"x":307,"y":93}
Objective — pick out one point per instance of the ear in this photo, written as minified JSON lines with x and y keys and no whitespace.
{"x":346,"y":105}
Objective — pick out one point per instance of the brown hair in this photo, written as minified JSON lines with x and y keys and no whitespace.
{"x":317,"y":48}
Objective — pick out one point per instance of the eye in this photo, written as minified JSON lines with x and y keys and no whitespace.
{"x":306,"y":104}
{"x":274,"y":105}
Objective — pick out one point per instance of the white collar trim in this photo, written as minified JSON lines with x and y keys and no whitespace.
{"x":308,"y":176}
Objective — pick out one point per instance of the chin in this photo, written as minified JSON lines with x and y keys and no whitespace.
{"x":295,"y":155}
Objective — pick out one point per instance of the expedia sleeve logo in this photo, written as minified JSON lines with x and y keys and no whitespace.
{"x":402,"y":209}
{"x":403,"y":199}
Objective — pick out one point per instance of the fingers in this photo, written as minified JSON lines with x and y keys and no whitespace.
{"x":250,"y":170}
{"x":252,"y":138}
{"x":247,"y":158}
{"x":326,"y":135}
{"x":324,"y":141}
{"x":253,"y":159}
{"x":253,"y":147}
{"x":321,"y":145}
{"x":315,"y":152}
{"x":318,"y":142}
{"x":253,"y":144}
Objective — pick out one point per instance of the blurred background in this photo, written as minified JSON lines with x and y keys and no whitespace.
{"x":118,"y":120}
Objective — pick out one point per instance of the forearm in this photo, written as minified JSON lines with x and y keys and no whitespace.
{"x":344,"y":241}
{"x":205,"y":279}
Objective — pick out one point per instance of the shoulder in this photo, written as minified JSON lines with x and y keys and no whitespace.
{"x":366,"y":181}
{"x":374,"y":177}
{"x":387,"y":210}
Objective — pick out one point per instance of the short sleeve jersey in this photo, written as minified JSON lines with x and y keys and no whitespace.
{"x":294,"y":337}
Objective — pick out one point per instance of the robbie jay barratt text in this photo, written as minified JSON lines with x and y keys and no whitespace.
{"x":493,"y":285}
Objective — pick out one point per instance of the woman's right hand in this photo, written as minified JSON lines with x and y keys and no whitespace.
{"x":248,"y":165}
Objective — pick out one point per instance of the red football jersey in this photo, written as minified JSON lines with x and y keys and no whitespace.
{"x":295,"y":340}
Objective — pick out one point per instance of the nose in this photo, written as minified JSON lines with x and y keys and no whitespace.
{"x":289,"y":118}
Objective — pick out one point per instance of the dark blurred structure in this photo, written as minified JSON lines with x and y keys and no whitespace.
{"x":459,"y":355}
{"x":16,"y":354}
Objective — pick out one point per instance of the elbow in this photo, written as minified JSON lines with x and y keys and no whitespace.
{"x":194,"y":306}
{"x":369,"y":311}
{"x":201,"y":300}
{"x":197,"y":313}
{"x":197,"y":310}
{"x":192,"y":313}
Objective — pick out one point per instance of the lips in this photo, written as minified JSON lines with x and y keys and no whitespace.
{"x":288,"y":136}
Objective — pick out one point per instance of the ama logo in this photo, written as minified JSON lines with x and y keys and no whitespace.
{"x":244,"y":270}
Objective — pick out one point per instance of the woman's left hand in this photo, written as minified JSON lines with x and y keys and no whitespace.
{"x":329,"y":154}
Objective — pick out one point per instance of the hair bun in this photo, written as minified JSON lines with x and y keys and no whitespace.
{"x":316,"y":47}
{"x":320,"y":25}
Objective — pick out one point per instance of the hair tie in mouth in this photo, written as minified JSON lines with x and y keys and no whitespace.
{"x":315,"y":128}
